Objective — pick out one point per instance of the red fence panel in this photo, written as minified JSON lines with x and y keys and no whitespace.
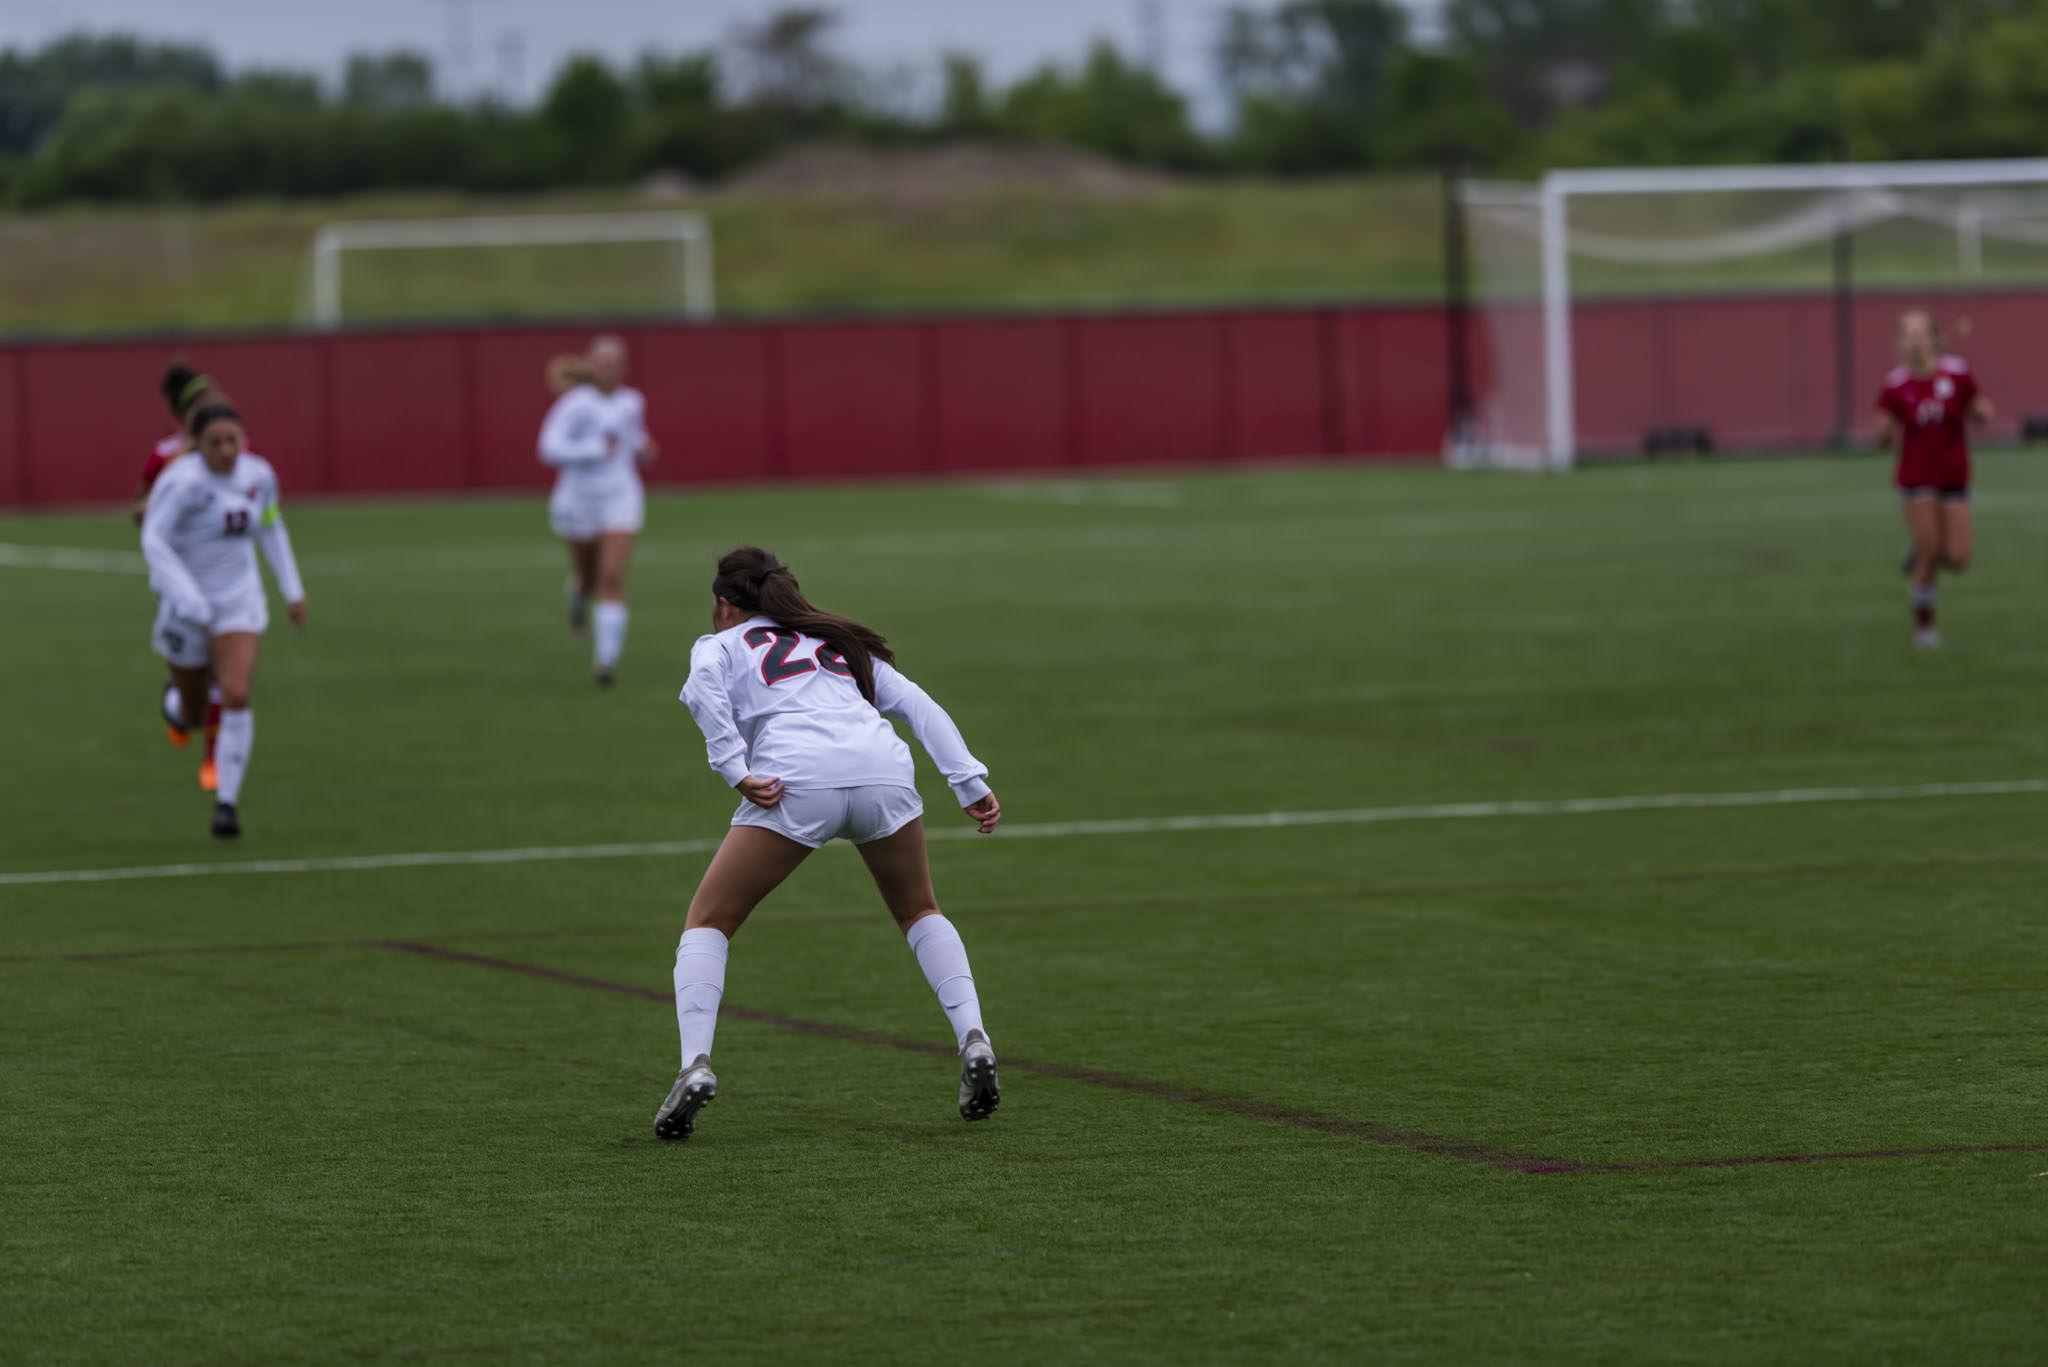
{"x":712,"y":402}
{"x":1150,"y":390}
{"x":401,"y":414}
{"x":14,"y":471}
{"x":1277,"y":396}
{"x":853,"y":400}
{"x":93,"y":412}
{"x":1000,"y":394}
{"x":508,"y":392}
{"x":1392,"y":366}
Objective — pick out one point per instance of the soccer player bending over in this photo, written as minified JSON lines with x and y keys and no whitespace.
{"x":793,"y":703}
{"x":1926,"y":407}
{"x":207,"y":509}
{"x":596,"y":436}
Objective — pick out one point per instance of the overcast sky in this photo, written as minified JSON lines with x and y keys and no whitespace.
{"x":513,"y":44}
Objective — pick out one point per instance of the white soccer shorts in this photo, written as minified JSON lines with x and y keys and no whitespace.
{"x":817,"y":815}
{"x":189,"y":645}
{"x":580,"y":514}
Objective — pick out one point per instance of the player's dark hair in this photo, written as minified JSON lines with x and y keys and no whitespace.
{"x":207,"y":415}
{"x":181,"y":386}
{"x":753,"y":580}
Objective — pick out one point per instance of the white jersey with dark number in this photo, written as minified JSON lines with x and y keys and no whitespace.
{"x":595,"y":438}
{"x":200,"y":532}
{"x":776,"y":703}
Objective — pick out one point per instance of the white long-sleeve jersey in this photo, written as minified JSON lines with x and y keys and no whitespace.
{"x":776,"y":703}
{"x":200,"y":532}
{"x":593,"y":437}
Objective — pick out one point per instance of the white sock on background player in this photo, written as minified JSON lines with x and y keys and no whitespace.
{"x":944,"y":960}
{"x":231,"y":752}
{"x":700,"y":983}
{"x":608,"y":627}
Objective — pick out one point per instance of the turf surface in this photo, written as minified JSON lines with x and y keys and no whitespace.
{"x":1344,"y":1092}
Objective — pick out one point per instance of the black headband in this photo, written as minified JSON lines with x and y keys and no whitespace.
{"x":212,"y":413}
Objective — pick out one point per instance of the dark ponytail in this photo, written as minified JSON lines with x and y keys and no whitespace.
{"x":181,"y":385}
{"x":753,"y":580}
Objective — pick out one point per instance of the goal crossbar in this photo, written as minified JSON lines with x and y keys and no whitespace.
{"x":689,"y":229}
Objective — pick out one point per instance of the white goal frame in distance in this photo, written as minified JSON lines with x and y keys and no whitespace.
{"x":1557,"y":190}
{"x":690,"y":230}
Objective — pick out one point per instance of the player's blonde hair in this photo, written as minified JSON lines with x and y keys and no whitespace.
{"x":566,"y":372}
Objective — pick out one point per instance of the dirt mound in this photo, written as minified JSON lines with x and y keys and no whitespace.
{"x":951,"y":169}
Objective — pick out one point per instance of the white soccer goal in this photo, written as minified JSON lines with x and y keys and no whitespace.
{"x":1632,"y":264}
{"x":684,"y":284}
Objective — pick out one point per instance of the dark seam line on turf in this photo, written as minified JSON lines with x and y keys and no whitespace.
{"x":1250,"y":1108}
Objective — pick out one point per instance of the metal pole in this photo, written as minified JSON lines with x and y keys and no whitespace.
{"x":1457,"y":308}
{"x":1845,"y":331}
{"x":1560,"y":422}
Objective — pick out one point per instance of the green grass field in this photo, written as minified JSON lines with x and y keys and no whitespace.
{"x":1421,"y":1083}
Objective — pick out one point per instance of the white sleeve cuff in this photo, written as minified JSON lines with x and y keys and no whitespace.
{"x":732,"y":771}
{"x":971,"y":790}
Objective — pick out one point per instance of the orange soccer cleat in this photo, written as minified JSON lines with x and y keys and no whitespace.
{"x":179,"y":739}
{"x":209,"y":777}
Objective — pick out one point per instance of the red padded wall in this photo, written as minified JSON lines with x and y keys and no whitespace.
{"x":93,"y":413}
{"x":1392,"y":363}
{"x":402,"y":413}
{"x":509,"y":395}
{"x":1276,"y":396}
{"x":1150,"y":390}
{"x":14,"y":467}
{"x":1000,"y":394}
{"x":711,"y":402}
{"x":853,"y":400}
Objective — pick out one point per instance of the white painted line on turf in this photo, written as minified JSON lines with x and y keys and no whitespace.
{"x":18,"y":557}
{"x":1140,"y":825}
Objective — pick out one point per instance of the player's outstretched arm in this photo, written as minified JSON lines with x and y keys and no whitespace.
{"x":898,"y":698}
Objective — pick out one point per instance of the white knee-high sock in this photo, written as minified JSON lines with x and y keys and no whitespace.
{"x":231,"y":752}
{"x":700,"y":982}
{"x":944,"y":961}
{"x":608,"y":623}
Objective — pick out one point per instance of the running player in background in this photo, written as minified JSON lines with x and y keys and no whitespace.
{"x":186,"y":391}
{"x":792,"y":701}
{"x":1926,"y":407}
{"x":596,"y":436}
{"x":208,"y":506}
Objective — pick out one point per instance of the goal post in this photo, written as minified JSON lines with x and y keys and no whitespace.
{"x":690,"y":281}
{"x":1544,"y":250}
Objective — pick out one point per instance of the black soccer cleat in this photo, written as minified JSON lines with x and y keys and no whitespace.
{"x":226,"y":825}
{"x":696,"y":1087}
{"x":603,"y":677}
{"x":979,"y":1092}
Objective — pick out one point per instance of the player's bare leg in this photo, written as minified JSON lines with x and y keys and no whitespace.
{"x":1923,"y":520}
{"x":186,"y":696}
{"x":582,"y":578}
{"x":614,"y":551}
{"x":1958,"y":535}
{"x":750,"y":864}
{"x":903,"y":875}
{"x":234,"y":668}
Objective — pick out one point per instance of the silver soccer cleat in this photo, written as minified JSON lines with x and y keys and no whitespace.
{"x":696,"y":1087}
{"x":979,"y":1092}
{"x":1926,"y":638}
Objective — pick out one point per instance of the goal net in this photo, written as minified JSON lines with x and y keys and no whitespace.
{"x":1615,"y":311}
{"x":529,"y":266}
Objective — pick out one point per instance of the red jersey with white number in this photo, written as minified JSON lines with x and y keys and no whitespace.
{"x":777,"y":703}
{"x":167,"y":450}
{"x":1933,"y":416}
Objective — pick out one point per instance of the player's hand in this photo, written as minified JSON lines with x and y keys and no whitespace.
{"x":985,"y":813}
{"x":298,"y":613}
{"x":762,"y":792}
{"x":650,"y":451}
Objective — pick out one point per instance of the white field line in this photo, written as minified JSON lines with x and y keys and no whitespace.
{"x":1144,"y":825}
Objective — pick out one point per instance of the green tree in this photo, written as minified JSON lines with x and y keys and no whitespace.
{"x":388,"y":80}
{"x":588,"y":109}
{"x":1110,"y":105}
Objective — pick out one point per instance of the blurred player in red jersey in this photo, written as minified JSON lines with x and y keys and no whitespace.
{"x":1926,"y":407}
{"x":186,"y":391}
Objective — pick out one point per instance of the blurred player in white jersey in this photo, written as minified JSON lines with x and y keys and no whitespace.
{"x":793,"y":703}
{"x":186,"y":391}
{"x":207,"y":508}
{"x":596,"y":436}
